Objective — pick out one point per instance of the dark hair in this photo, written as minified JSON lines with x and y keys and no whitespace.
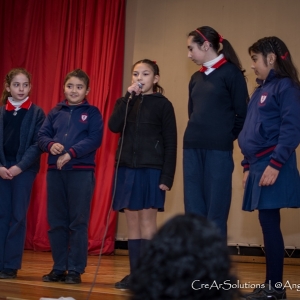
{"x":8,"y":79}
{"x":185,"y":249}
{"x":156,"y":87}
{"x":214,"y":38}
{"x":283,"y":65}
{"x":79,"y":74}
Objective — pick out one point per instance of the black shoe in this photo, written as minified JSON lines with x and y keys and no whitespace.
{"x":73,"y":277}
{"x":266,"y":293}
{"x":55,"y":276}
{"x":8,"y":274}
{"x":124,"y":284}
{"x":255,"y":291}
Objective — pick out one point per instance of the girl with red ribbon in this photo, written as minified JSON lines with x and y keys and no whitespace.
{"x":217,"y":110}
{"x":268,"y":141}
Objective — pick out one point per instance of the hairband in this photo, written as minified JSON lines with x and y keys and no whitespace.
{"x":201,"y":35}
{"x":284,"y":56}
{"x":154,"y":61}
{"x":220,"y":37}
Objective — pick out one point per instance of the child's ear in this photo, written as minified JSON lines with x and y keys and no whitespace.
{"x":156,"y":79}
{"x":87,"y":91}
{"x":7,"y":87}
{"x":271,"y":58}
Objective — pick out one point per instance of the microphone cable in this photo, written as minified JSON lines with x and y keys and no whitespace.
{"x":114,"y":192}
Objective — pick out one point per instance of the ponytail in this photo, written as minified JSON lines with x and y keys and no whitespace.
{"x":231,"y":55}
{"x":5,"y":95}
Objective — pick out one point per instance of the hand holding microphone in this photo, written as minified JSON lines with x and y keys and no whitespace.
{"x":135,"y":89}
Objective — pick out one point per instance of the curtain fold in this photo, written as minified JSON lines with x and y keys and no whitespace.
{"x":49,"y":39}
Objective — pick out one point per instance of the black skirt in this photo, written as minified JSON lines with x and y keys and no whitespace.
{"x":138,"y":189}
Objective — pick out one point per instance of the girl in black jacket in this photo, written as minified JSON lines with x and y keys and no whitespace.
{"x":146,"y":156}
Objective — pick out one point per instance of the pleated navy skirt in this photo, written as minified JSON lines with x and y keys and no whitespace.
{"x":138,"y":189}
{"x":284,"y":193}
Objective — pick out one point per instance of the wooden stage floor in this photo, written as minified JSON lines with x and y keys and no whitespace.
{"x":28,"y":285}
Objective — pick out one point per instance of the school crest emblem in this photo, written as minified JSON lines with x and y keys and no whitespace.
{"x":263,"y":98}
{"x":84,"y":117}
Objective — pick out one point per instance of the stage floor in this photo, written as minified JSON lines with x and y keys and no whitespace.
{"x":28,"y":284}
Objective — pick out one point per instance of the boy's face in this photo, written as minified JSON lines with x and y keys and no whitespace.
{"x":75,"y":91}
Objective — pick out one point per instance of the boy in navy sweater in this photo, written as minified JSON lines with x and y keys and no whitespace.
{"x":71,"y":134}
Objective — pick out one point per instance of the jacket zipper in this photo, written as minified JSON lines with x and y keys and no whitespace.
{"x":136,"y":132}
{"x":68,"y":126}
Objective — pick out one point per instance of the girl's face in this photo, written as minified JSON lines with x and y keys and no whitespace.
{"x":144,"y":74}
{"x":75,"y":90}
{"x":19,"y":87}
{"x":196,"y":52}
{"x":262,"y":66}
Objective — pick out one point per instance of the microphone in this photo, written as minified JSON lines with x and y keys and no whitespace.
{"x":134,"y":92}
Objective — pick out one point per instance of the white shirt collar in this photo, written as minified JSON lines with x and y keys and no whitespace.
{"x":15,"y":103}
{"x":210,"y":63}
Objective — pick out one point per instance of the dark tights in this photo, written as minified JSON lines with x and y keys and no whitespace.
{"x":136,"y":248}
{"x":274,"y":246}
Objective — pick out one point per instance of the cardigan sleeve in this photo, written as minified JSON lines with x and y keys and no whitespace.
{"x":33,"y":152}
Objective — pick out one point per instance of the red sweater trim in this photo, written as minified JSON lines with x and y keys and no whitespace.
{"x":265,"y":151}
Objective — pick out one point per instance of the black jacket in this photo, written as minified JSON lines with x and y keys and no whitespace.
{"x":150,"y":138}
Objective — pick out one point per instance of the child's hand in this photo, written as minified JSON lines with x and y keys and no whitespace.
{"x":246,"y":174}
{"x":268,"y":177}
{"x":5,"y":174}
{"x":163,"y":187}
{"x":135,"y":87}
{"x":62,"y":160}
{"x":56,"y":149}
{"x":14,"y":171}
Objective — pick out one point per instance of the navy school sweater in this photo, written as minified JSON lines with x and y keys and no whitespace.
{"x":217,"y":108}
{"x":79,"y":128}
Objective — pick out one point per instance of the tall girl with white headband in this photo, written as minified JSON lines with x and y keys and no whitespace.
{"x":20,"y":121}
{"x":217,"y":110}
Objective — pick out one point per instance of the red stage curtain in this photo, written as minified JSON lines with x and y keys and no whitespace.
{"x":49,"y":39}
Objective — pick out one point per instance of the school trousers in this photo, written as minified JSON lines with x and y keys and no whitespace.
{"x":14,"y":202}
{"x":68,"y":209}
{"x":208,"y":184}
